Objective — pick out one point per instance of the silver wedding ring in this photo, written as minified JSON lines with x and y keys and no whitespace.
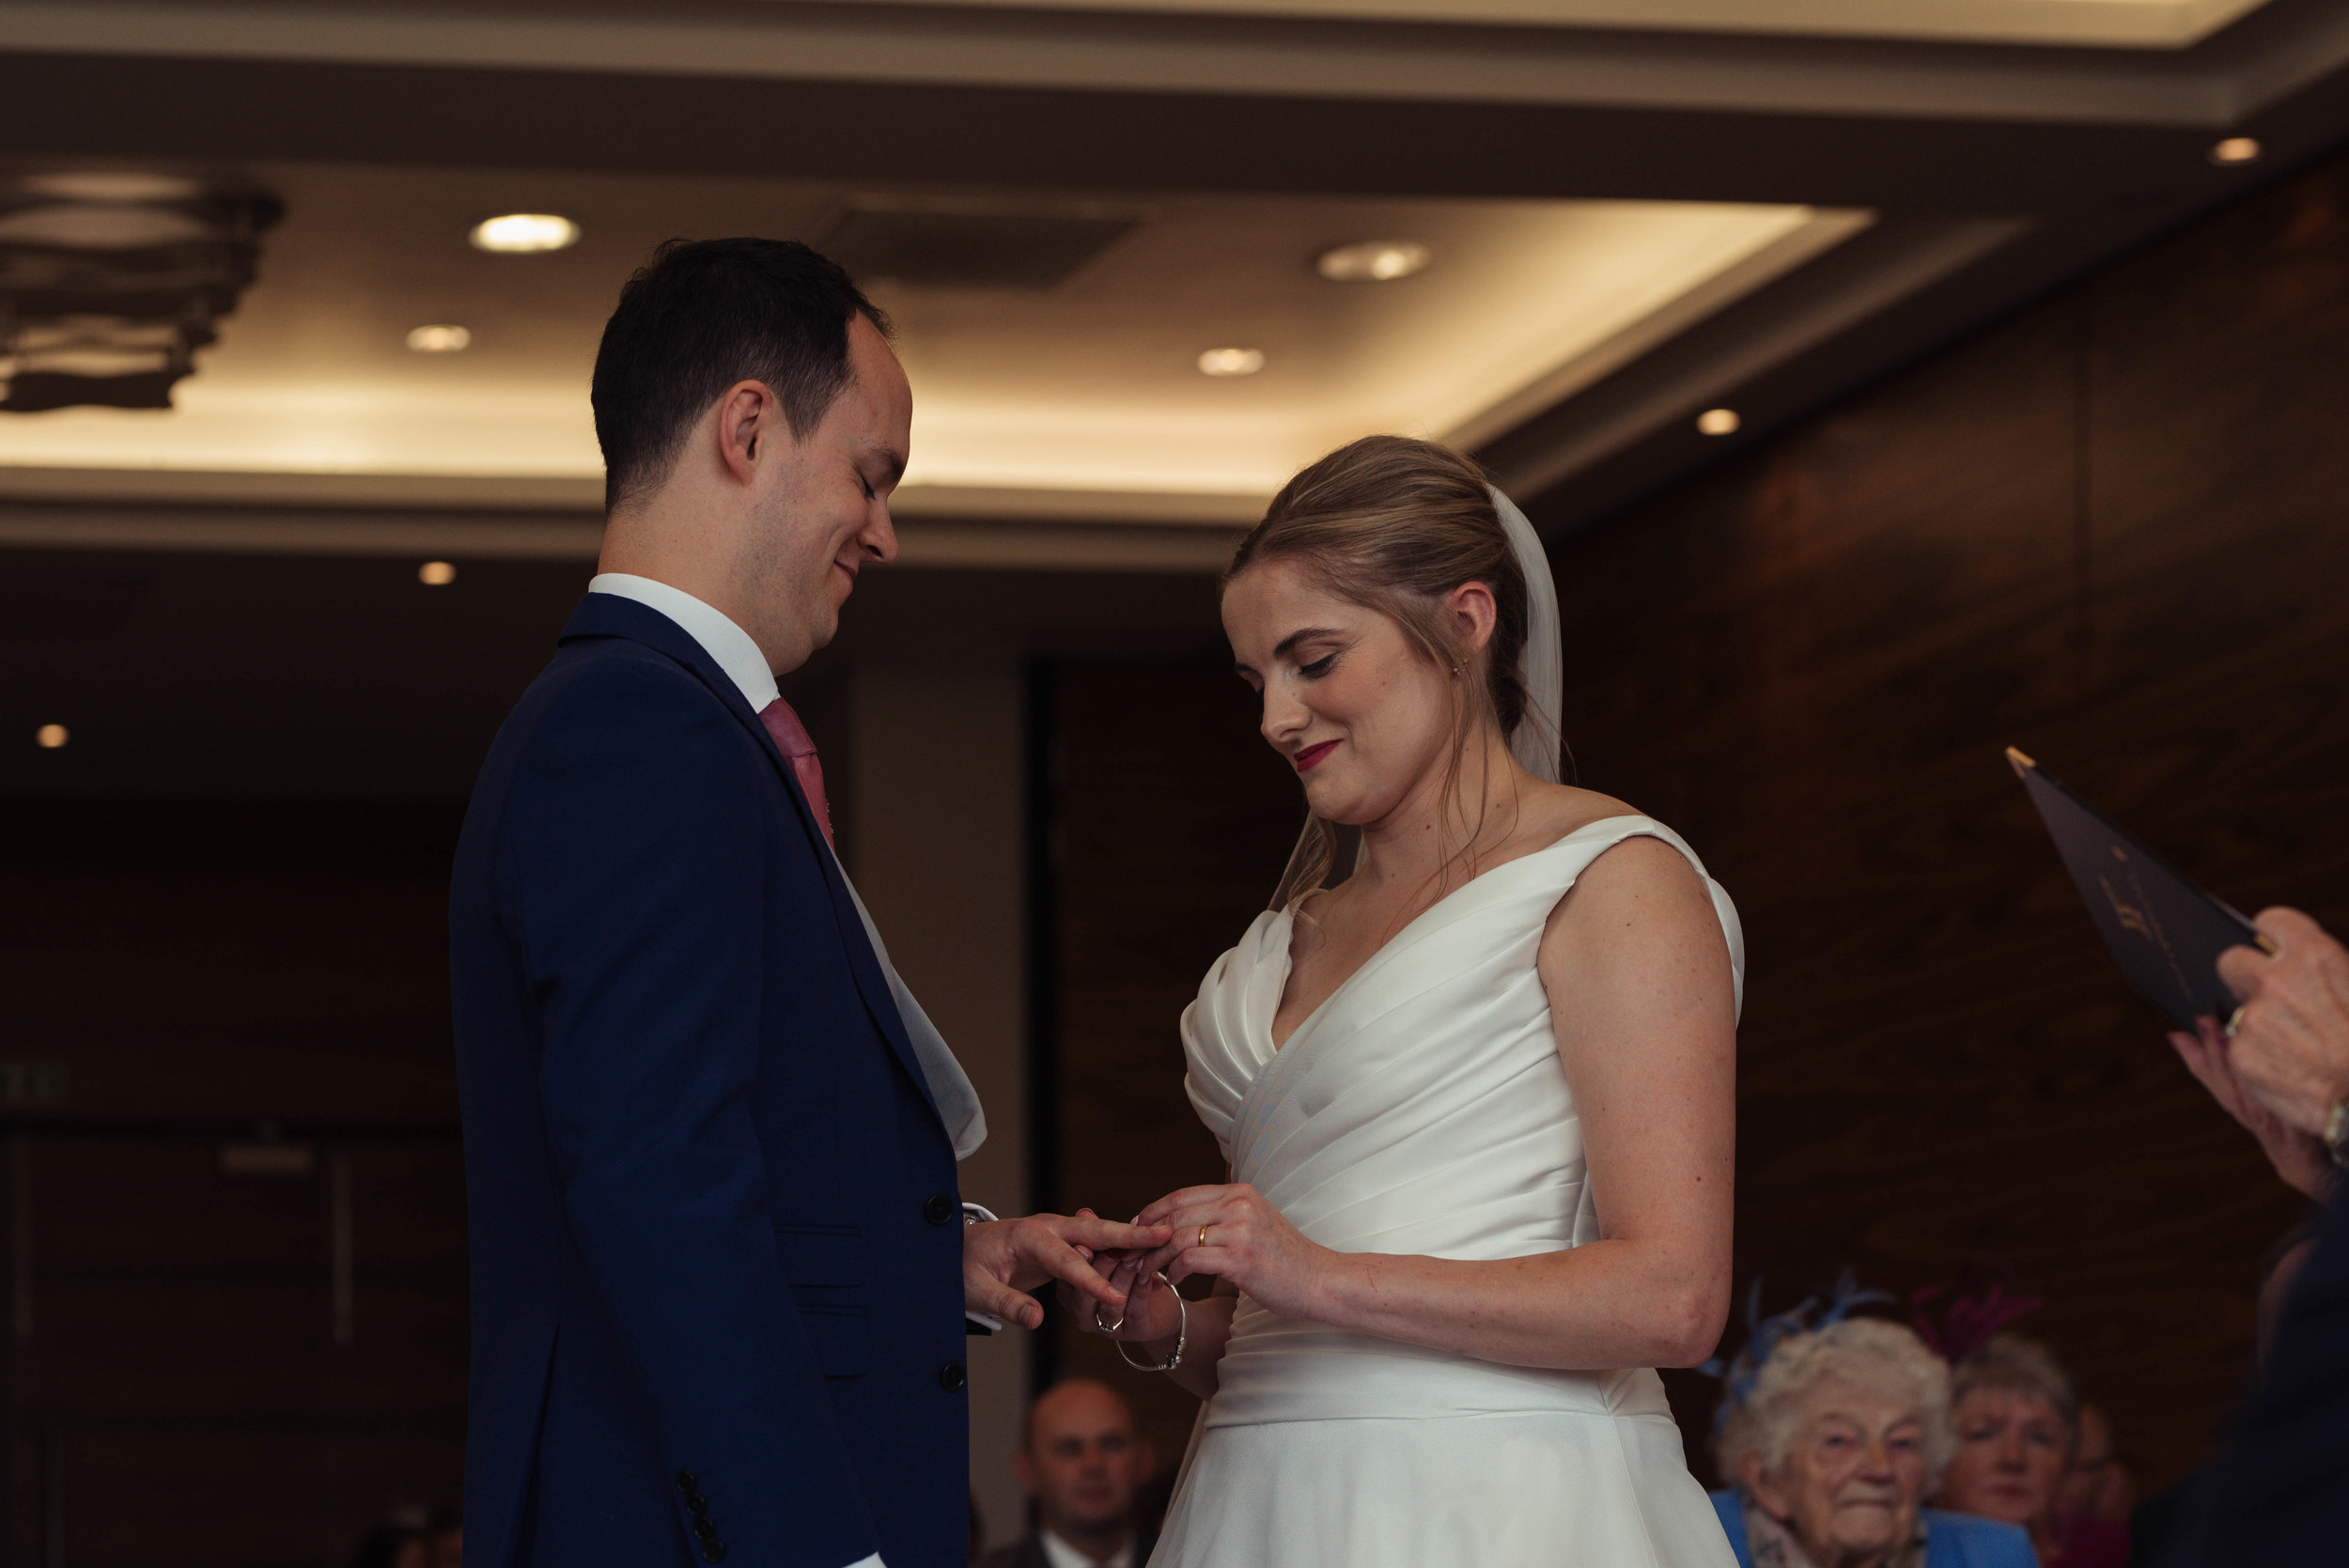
{"x":1110,"y":1328}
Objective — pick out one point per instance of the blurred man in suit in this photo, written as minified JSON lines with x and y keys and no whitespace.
{"x":1084,"y":1462}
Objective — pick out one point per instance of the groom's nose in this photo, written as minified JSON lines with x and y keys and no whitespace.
{"x":880,"y":535}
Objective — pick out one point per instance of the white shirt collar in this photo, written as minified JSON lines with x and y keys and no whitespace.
{"x":719,"y":637}
{"x":1060,"y":1554}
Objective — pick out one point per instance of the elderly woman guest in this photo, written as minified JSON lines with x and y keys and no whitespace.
{"x":1833,"y":1448}
{"x":2018,"y":1425}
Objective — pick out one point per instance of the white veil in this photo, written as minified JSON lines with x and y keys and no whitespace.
{"x":1542,"y":667}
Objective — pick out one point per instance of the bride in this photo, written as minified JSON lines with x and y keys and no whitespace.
{"x":1476,"y":1096}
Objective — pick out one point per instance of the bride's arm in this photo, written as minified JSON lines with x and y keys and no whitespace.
{"x":1641,"y":999}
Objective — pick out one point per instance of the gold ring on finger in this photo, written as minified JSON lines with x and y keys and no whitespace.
{"x":2235,"y":1019}
{"x":1203,"y":1235}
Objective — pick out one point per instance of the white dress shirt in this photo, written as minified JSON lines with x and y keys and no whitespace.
{"x":1060,"y":1554}
{"x":738,"y":655}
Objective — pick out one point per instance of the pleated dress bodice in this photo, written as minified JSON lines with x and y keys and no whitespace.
{"x":1421,"y":1109}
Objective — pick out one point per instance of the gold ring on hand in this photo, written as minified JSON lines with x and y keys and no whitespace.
{"x":2235,"y":1019}
{"x":1203,"y":1235}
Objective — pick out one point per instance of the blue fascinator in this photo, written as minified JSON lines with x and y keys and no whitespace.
{"x":1763,"y":1335}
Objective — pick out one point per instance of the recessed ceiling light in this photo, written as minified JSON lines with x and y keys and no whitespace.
{"x":439,"y":340}
{"x":1719,"y":422}
{"x":1373,"y":261}
{"x":2237,"y":149}
{"x":436,"y":574}
{"x":50,"y":737}
{"x":1232,"y":361}
{"x":521,"y":233}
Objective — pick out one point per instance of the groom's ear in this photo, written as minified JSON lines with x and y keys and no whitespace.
{"x":747,"y":420}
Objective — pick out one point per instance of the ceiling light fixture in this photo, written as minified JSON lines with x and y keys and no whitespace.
{"x":1719,"y":422}
{"x":1231,"y":362}
{"x":1373,"y":261}
{"x":2237,"y":149}
{"x":524,"y":233}
{"x":50,"y":737}
{"x":436,"y":574}
{"x":439,"y":340}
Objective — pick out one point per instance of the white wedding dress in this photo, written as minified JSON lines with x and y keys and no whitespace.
{"x":1421,"y":1109}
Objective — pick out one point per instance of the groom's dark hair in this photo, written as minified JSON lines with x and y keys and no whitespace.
{"x":701,"y":315}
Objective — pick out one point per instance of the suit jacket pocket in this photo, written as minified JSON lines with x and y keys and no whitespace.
{"x":826,"y":1267}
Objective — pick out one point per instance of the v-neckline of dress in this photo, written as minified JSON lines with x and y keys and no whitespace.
{"x":1288,"y":937}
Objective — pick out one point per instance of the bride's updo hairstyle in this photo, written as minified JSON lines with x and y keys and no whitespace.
{"x":1394,"y":524}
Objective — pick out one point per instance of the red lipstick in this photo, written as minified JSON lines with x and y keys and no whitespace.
{"x":1313,"y":754}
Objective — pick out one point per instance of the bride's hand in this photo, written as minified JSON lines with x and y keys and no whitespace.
{"x":1236,"y":1233}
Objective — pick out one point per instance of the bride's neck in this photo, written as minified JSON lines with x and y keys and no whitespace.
{"x":1438,"y":838}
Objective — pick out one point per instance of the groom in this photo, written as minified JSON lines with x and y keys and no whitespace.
{"x":720,"y":1263}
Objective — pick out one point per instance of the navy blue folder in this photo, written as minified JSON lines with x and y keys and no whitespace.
{"x":2165,"y":932}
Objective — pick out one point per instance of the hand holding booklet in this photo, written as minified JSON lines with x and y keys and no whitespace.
{"x":2163,"y":930}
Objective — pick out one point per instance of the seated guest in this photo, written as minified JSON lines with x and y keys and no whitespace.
{"x":2096,"y":1484}
{"x":2017,"y":1423}
{"x":1834,"y":1444}
{"x":1083,"y":1462}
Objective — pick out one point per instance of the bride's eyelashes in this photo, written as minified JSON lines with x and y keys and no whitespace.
{"x":1319,"y":667}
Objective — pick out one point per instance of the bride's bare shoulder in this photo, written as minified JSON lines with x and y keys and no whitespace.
{"x":1553,"y":811}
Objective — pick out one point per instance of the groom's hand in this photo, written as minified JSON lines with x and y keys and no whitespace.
{"x":1003,"y":1259}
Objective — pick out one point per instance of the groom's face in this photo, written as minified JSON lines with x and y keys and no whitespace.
{"x":820,"y":507}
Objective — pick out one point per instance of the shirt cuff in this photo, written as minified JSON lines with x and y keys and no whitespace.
{"x":873,"y":1561}
{"x":972,"y":1214}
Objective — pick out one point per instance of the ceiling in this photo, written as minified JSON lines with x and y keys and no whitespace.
{"x":1091,"y":386}
{"x":1638,"y":212}
{"x":1636,"y":216}
{"x":2107,"y":24}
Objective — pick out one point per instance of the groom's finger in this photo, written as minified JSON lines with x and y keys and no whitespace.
{"x":999,"y":1299}
{"x":1091,"y":1232}
{"x":1063,"y":1264}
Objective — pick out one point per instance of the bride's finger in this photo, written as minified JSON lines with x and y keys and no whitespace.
{"x":1189,"y":1198}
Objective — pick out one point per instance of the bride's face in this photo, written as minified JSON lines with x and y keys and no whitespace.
{"x":1361,"y":712}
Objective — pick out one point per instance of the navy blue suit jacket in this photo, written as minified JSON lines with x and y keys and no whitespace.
{"x":716,"y":1237}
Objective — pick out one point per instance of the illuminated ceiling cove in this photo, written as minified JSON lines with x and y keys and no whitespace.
{"x":2112,"y":23}
{"x":1082,"y":395}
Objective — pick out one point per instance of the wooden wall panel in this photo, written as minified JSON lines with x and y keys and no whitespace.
{"x":207,"y":1365}
{"x":1174,"y":822}
{"x":2108,"y":531}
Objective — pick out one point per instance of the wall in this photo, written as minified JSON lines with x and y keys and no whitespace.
{"x":1172,"y":822}
{"x":2110,"y":532}
{"x":937,"y":850}
{"x":235,"y":1207}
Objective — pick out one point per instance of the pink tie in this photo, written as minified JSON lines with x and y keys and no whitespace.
{"x":792,"y":741}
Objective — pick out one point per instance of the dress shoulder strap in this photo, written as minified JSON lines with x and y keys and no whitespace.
{"x":1579,"y":849}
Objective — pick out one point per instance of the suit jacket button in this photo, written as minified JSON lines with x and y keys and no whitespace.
{"x":685,"y":1482}
{"x":939,"y":1209}
{"x":951,"y":1376}
{"x":698,"y":1507}
{"x":713,"y":1551}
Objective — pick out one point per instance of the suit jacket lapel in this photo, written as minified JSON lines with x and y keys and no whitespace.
{"x":610,"y":615}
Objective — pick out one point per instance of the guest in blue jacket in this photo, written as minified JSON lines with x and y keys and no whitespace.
{"x":1834,"y":1440}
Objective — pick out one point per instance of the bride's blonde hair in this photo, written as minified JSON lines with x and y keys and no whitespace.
{"x":1394,"y":524}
